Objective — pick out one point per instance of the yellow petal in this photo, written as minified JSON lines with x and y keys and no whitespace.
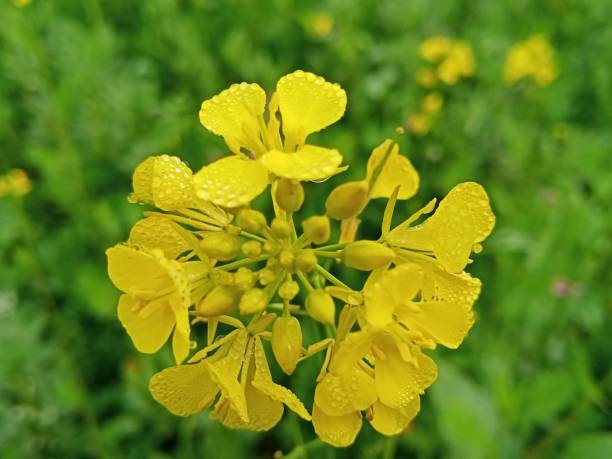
{"x":445,"y":323}
{"x":143,"y":178}
{"x":185,"y":389}
{"x":264,"y":413}
{"x":231,"y":182}
{"x":308,"y":163}
{"x":350,"y":351}
{"x":130,"y":267}
{"x":158,"y":233}
{"x":234,"y":111}
{"x":308,"y":104}
{"x":164,"y":180}
{"x":263,"y":381}
{"x":391,"y":289}
{"x":463,"y":218}
{"x":180,"y":345}
{"x":171,"y":185}
{"x":339,"y":431}
{"x":391,"y":421}
{"x":348,"y":392}
{"x":397,"y":171}
{"x":399,"y":382}
{"x":225,"y":373}
{"x":147,"y":333}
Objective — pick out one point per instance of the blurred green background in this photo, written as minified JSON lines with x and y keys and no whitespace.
{"x":90,"y":88}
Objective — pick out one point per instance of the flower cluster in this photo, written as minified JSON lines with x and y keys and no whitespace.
{"x":532,"y":58}
{"x":15,"y":182}
{"x":207,"y":260}
{"x":448,"y":61}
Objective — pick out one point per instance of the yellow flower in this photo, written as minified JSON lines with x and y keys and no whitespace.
{"x":15,"y":182}
{"x":419,"y":123}
{"x":238,"y":372}
{"x":322,"y":24}
{"x":21,"y":3}
{"x":157,"y":294}
{"x":194,"y":260}
{"x":462,"y":220}
{"x":426,"y":77}
{"x":432,"y":103}
{"x":531,"y":58}
{"x":372,"y":370}
{"x":434,"y":48}
{"x":305,"y":102}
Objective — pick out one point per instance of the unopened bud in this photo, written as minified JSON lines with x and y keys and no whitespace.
{"x":222,"y":277}
{"x":221,"y":300}
{"x":288,"y":290}
{"x":287,"y":342}
{"x":289,"y":194}
{"x":320,"y":306}
{"x":367,"y":255}
{"x":267,"y":275}
{"x":286,"y":259}
{"x":244,"y":278}
{"x":251,"y":220}
{"x":253,"y":301}
{"x":220,"y":246}
{"x":271,"y":247}
{"x":280,"y":228}
{"x":317,"y":229}
{"x":306,"y":260}
{"x":347,"y":200}
{"x":251,"y":249}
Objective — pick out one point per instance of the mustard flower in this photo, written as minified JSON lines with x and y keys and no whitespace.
{"x":206,"y":259}
{"x":532,"y":58}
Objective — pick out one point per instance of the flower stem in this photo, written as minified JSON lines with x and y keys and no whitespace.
{"x":330,"y":277}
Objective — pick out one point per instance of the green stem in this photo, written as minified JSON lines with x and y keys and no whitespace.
{"x":335,"y":254}
{"x":390,"y":447}
{"x":330,"y":277}
{"x":242,"y":262}
{"x":301,"y":451}
{"x":331,"y":247}
{"x":307,"y":285}
{"x":252,"y":236}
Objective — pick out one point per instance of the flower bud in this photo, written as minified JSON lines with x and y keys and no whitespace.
{"x":280,"y":228}
{"x":317,"y":229}
{"x":251,"y":220}
{"x":244,"y":278}
{"x":221,"y":300}
{"x":287,"y":343}
{"x":251,"y":249}
{"x":289,"y":194}
{"x":288,"y":290}
{"x":252,"y":301}
{"x":220,"y":246}
{"x":367,"y":255}
{"x":287,"y":259}
{"x":306,"y":260}
{"x":347,"y":200}
{"x":271,"y":247}
{"x":267,"y":275}
{"x":320,"y":306}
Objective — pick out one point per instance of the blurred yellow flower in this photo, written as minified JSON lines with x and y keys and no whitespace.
{"x":419,"y":123}
{"x":435,"y":48}
{"x":15,"y":182}
{"x":21,"y":3}
{"x":453,"y":59}
{"x":432,"y":103}
{"x":531,"y":58}
{"x":426,"y":77}
{"x":321,"y":24}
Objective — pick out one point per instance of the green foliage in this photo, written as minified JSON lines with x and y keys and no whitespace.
{"x":88,"y":89}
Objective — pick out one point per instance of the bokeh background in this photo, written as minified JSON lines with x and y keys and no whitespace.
{"x":90,"y":88}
